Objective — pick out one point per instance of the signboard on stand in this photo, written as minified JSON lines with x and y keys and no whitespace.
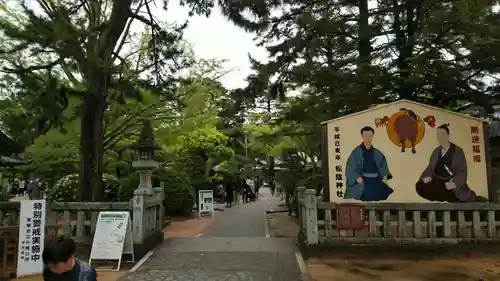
{"x":31,"y":237}
{"x":206,"y":202}
{"x":112,"y":238}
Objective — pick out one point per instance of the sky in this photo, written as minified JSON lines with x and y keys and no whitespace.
{"x":216,"y":37}
{"x":212,"y":38}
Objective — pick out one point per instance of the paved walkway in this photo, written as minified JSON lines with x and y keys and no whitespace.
{"x":233,"y":248}
{"x":242,"y":220}
{"x":220,"y":259}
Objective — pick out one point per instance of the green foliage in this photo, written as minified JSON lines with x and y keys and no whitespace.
{"x":179,"y":194}
{"x":53,"y":50}
{"x":336,"y":56}
{"x":4,"y":193}
{"x":65,"y":188}
{"x":54,"y":152}
{"x":127,"y":185}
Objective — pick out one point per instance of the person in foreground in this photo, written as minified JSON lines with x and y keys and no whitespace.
{"x":60,"y":263}
{"x":366,"y":171}
{"x":445,"y":178}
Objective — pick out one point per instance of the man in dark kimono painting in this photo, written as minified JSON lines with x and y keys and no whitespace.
{"x":366,"y":170}
{"x":445,"y":178}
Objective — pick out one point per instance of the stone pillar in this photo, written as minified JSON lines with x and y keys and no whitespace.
{"x":311,"y":216}
{"x":300,"y":195}
{"x":160,"y":195}
{"x":139,"y":216}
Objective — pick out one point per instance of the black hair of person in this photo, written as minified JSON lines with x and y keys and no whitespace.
{"x":58,"y":249}
{"x":445,"y":127}
{"x":367,"y":129}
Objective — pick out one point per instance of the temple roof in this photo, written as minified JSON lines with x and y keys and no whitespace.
{"x":10,"y":160}
{"x":9,"y":146}
{"x":379,"y":106}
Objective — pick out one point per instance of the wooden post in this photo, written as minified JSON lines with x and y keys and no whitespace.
{"x":311,"y":216}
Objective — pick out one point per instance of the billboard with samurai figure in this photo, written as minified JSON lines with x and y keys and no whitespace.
{"x":406,"y":152}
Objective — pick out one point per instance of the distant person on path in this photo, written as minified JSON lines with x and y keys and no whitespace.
{"x":60,"y":263}
{"x":258,"y":183}
{"x":238,"y":188}
{"x":33,"y":189}
{"x":29,"y":189}
{"x":24,"y":189}
{"x":229,"y":186}
{"x":243,"y":190}
{"x":20,"y":188}
{"x":273,"y":188}
{"x":248,"y":190}
{"x":15,"y":188}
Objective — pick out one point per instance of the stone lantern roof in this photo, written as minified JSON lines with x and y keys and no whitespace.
{"x":146,"y":141}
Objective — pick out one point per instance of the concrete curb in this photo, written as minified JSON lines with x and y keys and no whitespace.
{"x":141,"y":261}
{"x":266,"y":226}
{"x":304,"y":272}
{"x":273,"y":211}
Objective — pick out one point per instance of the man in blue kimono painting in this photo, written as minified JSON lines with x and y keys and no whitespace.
{"x":366,"y":171}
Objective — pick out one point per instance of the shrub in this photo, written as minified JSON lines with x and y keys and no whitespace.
{"x":66,"y":188}
{"x":128,"y":184}
{"x":179,"y":197}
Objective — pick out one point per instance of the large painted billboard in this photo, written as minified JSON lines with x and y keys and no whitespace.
{"x":407,"y":152}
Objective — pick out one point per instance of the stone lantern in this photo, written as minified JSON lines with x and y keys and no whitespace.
{"x":145,"y":164}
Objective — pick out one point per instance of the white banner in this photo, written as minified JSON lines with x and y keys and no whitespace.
{"x":31,"y":237}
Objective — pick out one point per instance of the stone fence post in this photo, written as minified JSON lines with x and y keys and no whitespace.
{"x":160,"y":195}
{"x":311,"y":216}
{"x":139,"y":216}
{"x":300,"y":195}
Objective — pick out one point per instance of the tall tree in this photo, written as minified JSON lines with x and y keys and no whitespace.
{"x":87,"y":44}
{"x":352,"y":54}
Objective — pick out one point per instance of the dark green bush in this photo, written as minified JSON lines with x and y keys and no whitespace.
{"x":179,"y":195}
{"x":128,"y":184}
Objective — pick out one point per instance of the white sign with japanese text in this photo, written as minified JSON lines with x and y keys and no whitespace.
{"x":112,"y":237}
{"x":206,"y":202}
{"x":31,"y":237}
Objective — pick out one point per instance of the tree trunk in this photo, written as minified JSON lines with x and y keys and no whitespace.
{"x":270,"y":160}
{"x":404,"y":26}
{"x":91,"y":149}
{"x":364,"y":52}
{"x":364,"y":35}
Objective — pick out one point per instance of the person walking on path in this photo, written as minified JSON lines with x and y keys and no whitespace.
{"x":21,"y":189}
{"x":229,"y":186}
{"x":258,"y":184}
{"x":28,"y":189}
{"x":273,"y":188}
{"x":15,"y":188}
{"x":244,"y":191}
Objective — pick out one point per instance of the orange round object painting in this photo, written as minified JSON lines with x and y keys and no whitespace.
{"x":405,"y":128}
{"x":393,"y":134}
